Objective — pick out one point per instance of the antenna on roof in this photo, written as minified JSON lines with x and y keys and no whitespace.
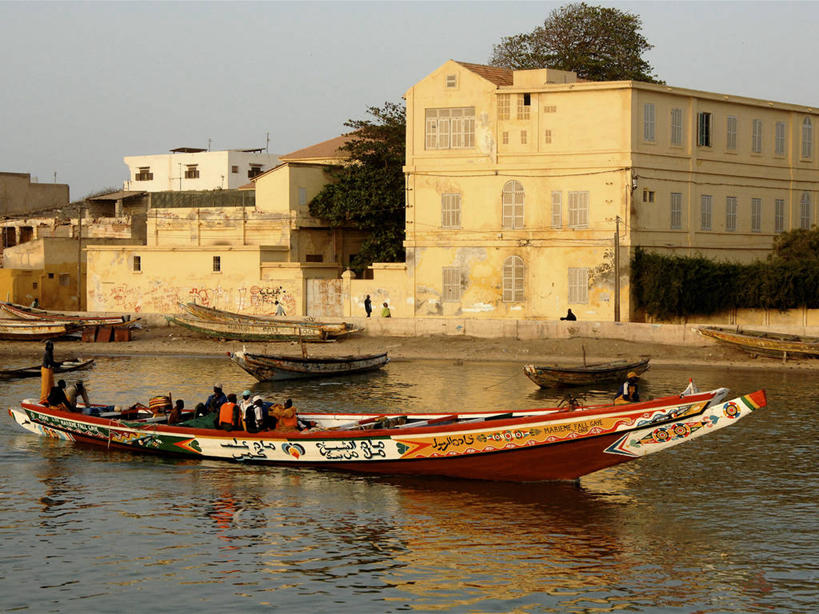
{"x":267,"y":144}
{"x":208,"y":144}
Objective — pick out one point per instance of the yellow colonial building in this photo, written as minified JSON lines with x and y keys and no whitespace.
{"x":517,"y":182}
{"x":241,"y":250}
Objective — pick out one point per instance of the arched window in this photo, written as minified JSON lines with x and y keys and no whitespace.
{"x":513,"y":280}
{"x":513,"y":196}
{"x":805,"y":211}
{"x":807,"y":138}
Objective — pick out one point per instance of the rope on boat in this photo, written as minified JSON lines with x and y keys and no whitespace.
{"x":500,"y":382}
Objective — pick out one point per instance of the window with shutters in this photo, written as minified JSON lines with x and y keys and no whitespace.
{"x":513,"y":199}
{"x":450,"y":210}
{"x":505,"y":138}
{"x":578,"y":285}
{"x":524,"y":105}
{"x":254,"y":171}
{"x":731,"y":133}
{"x":450,"y":128}
{"x":731,"y":213}
{"x":676,"y":210}
{"x":779,"y":139}
{"x":756,"y":215}
{"x":513,"y":280}
{"x":648,"y":121}
{"x":805,"y":211}
{"x":578,"y":209}
{"x":452,"y":81}
{"x":756,"y":136}
{"x":779,"y":215}
{"x":191,"y":171}
{"x":557,"y":209}
{"x":452,"y":283}
{"x":144,"y":174}
{"x":504,"y":105}
{"x":547,"y":137}
{"x":676,"y":126}
{"x":137,"y":264}
{"x":705,"y":212}
{"x":807,"y":138}
{"x":217,"y":264}
{"x":523,"y":137}
{"x":302,"y":196}
{"x":704,"y":129}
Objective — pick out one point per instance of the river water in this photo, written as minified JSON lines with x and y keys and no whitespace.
{"x":727,"y":523}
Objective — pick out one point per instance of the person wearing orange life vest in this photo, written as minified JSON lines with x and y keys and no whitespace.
{"x":286,"y":419}
{"x":230,"y":416}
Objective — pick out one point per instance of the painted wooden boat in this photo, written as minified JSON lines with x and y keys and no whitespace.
{"x":31,"y":313}
{"x":583,"y":375}
{"x":211,"y":314}
{"x":259,"y":331}
{"x":66,"y":366}
{"x":274,"y":367}
{"x":778,"y":345}
{"x":520,"y":446}
{"x":25,"y":330}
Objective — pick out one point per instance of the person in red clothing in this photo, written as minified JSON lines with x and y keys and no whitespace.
{"x":230,"y":416}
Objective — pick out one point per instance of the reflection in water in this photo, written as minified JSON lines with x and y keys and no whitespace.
{"x":725,"y":525}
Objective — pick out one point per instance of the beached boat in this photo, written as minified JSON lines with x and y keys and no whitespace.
{"x":274,"y":367}
{"x":66,"y":366}
{"x":583,"y":375}
{"x":31,"y":313}
{"x":211,"y":314}
{"x":262,"y":331}
{"x":513,"y":445}
{"x":778,"y":345}
{"x":35,"y":330}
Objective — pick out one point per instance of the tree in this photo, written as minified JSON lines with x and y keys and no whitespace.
{"x":598,"y":43}
{"x":368,"y":192}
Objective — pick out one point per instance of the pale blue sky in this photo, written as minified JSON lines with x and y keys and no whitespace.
{"x":83,"y":84}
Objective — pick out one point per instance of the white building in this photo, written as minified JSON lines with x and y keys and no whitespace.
{"x":189,"y":168}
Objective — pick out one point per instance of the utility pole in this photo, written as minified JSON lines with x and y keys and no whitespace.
{"x":79,"y":257}
{"x":617,"y":268}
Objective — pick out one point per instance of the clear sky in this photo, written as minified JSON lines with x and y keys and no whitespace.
{"x":83,"y":84}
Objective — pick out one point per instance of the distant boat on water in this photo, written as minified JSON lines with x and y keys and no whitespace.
{"x":583,"y":375}
{"x":778,"y":345}
{"x":274,"y":367}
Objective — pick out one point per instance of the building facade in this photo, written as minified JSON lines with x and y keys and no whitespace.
{"x":517,"y":182}
{"x":190,"y":168}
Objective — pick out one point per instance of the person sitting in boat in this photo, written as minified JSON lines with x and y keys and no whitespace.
{"x":628,"y":392}
{"x":175,"y":415}
{"x":230,"y":416}
{"x":77,"y":389}
{"x":57,"y":399}
{"x":246,"y":401}
{"x":264,"y":421}
{"x":200,"y":410}
{"x":286,"y":418}
{"x":47,"y":371}
{"x":216,"y":400}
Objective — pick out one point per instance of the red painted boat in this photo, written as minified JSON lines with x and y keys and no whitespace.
{"x":517,"y":445}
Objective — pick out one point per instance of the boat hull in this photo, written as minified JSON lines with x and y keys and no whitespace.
{"x":267,"y":368}
{"x":526,"y":446}
{"x":776,"y":345}
{"x":548,"y":377}
{"x":30,"y":313}
{"x":35,"y":371}
{"x":19,"y":330}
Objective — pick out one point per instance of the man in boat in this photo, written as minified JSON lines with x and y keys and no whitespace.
{"x":57,"y":399}
{"x":286,"y":418}
{"x":230,"y":416}
{"x":75,"y":390}
{"x":628,"y":392}
{"x":216,"y":400}
{"x":263,"y":418}
{"x":47,"y":371}
{"x":175,"y":415}
{"x":245,"y":402}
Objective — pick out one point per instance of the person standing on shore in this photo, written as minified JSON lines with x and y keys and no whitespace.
{"x":368,"y":306}
{"x":47,"y":371}
{"x":280,"y":309}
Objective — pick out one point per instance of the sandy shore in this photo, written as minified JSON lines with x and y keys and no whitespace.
{"x":165,"y":340}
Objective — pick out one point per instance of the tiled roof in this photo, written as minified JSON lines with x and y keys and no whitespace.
{"x":325,"y":150}
{"x":498,"y":76}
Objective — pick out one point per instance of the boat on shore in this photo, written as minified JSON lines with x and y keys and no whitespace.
{"x":264,"y":331}
{"x":66,"y":366}
{"x":275,"y":367}
{"x":512,"y":445}
{"x":31,"y":313}
{"x":777,"y":345}
{"x":36,"y":330}
{"x":211,"y":314}
{"x":583,"y":375}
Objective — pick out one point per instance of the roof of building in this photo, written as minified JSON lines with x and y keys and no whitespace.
{"x":187,"y":150}
{"x":326,"y":150}
{"x":119,"y":194}
{"x":498,"y":76}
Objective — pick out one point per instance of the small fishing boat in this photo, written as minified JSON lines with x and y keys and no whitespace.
{"x":76,"y":364}
{"x":778,"y":345}
{"x":211,"y":314}
{"x":35,"y":330}
{"x":31,"y":313}
{"x":263,"y":331}
{"x":583,"y":375}
{"x":512,"y":445}
{"x":274,"y":367}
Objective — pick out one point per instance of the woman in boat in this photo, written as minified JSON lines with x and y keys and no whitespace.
{"x":230,"y":416}
{"x":47,"y":371}
{"x":286,"y":418}
{"x":628,"y":392}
